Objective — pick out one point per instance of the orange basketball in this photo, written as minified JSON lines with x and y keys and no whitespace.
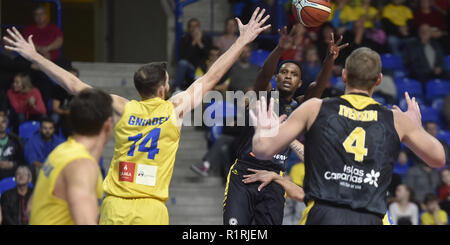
{"x":311,"y":13}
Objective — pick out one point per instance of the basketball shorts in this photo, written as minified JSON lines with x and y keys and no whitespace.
{"x":245,"y":205}
{"x":321,"y":213}
{"x":126,"y":211}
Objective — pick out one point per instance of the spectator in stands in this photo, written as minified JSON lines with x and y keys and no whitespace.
{"x":47,"y":37}
{"x":14,"y":202}
{"x":60,"y":106}
{"x":229,"y":36}
{"x":214,"y":54}
{"x":301,"y":43}
{"x":194,"y":49}
{"x":356,"y":10}
{"x":422,"y":180}
{"x":424,"y":57}
{"x":433,"y":129}
{"x":11,"y":150}
{"x":335,"y":16}
{"x":243,"y":73}
{"x":25,"y":100}
{"x":402,"y":165}
{"x":433,"y":214}
{"x":39,"y":146}
{"x":310,"y":67}
{"x":397,"y":22}
{"x":444,"y":190}
{"x":293,"y":209}
{"x":387,"y":89}
{"x":427,"y":14}
{"x":403,"y":206}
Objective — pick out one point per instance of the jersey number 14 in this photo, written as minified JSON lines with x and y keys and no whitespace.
{"x":355,"y":144}
{"x":152,"y":150}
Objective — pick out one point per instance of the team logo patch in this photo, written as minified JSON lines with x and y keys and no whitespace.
{"x":146,"y":175}
{"x":126,"y":171}
{"x":233,"y":221}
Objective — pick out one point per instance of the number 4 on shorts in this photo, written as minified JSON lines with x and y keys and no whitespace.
{"x":355,"y":144}
{"x":152,"y":150}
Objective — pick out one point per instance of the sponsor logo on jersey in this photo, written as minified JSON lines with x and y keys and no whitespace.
{"x":354,"y":178}
{"x":126,"y":171}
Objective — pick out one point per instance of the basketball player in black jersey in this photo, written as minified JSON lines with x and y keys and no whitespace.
{"x":352,"y":143}
{"x":244,"y":204}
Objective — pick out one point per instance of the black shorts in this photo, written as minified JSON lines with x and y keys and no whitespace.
{"x":245,"y":205}
{"x":322,"y":213}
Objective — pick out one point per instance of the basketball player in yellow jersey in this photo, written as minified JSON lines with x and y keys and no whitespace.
{"x":69,"y":186}
{"x":147,"y":132}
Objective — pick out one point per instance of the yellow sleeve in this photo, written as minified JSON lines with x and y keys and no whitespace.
{"x":409,"y":13}
{"x":443,"y":216}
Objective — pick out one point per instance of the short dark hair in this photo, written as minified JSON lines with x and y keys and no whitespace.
{"x":89,"y":110}
{"x":149,"y":77}
{"x":288,"y":61}
{"x":47,"y":119}
{"x":363,"y":68}
{"x":430,"y":197}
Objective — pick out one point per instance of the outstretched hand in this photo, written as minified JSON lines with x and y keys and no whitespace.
{"x":254,"y":27}
{"x":413,"y":111}
{"x":287,"y":41}
{"x":266,"y":122}
{"x":334,"y":48}
{"x":16,"y":42}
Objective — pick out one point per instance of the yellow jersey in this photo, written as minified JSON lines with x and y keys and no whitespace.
{"x":46,"y":208}
{"x":397,"y":14}
{"x":147,"y":139}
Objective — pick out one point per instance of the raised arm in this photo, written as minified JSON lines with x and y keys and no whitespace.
{"x":73,"y":85}
{"x":409,"y":128}
{"x":286,"y":42}
{"x":192,"y":97}
{"x":317,"y":88}
{"x":81,"y":178}
{"x":270,"y":137}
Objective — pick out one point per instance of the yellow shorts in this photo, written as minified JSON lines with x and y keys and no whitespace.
{"x":141,"y":211}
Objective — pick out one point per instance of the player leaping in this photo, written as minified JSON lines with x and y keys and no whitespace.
{"x":147,"y":132}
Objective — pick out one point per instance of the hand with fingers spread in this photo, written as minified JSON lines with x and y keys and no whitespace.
{"x":16,"y":42}
{"x":413,"y":111}
{"x":263,"y":176}
{"x":266,"y":123}
{"x":335,"y":48}
{"x":254,"y":27}
{"x":287,"y":41}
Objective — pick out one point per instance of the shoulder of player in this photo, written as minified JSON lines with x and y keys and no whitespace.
{"x":83,"y":167}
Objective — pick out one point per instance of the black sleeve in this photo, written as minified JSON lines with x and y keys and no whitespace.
{"x":19,"y":158}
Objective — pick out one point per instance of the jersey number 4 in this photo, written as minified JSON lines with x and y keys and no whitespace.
{"x":152,"y":150}
{"x":355,"y":144}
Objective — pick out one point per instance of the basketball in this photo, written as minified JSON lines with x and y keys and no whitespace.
{"x":311,"y":13}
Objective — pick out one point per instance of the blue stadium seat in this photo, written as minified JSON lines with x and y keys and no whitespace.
{"x":337,"y":83}
{"x":259,"y":56}
{"x":27,"y":129}
{"x":391,"y":61}
{"x":7,"y":184}
{"x":429,"y":114}
{"x":228,"y":110}
{"x":404,"y":106}
{"x":444,"y":135}
{"x":400,"y":73}
{"x":437,"y":104}
{"x":413,"y":87}
{"x":437,"y":88}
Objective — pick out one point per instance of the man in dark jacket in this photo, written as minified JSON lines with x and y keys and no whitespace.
{"x":11,"y":150}
{"x":424,"y":57}
{"x":14,"y":202}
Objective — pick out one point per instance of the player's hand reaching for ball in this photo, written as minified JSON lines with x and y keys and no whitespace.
{"x":16,"y":42}
{"x":335,"y":48}
{"x":287,"y":41}
{"x":254,"y":27}
{"x":266,"y":122}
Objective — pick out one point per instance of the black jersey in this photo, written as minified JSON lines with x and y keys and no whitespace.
{"x":278,"y":161}
{"x":350,"y":152}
